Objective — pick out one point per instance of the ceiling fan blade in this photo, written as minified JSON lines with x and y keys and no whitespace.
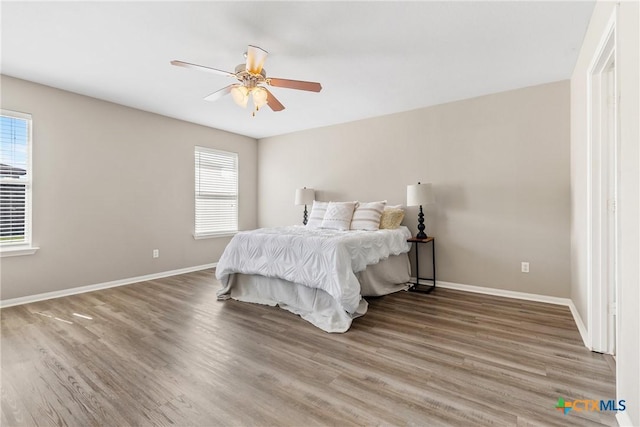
{"x":273,"y":102}
{"x":255,"y":59}
{"x":295,"y":84}
{"x":201,"y":68}
{"x":219,"y":93}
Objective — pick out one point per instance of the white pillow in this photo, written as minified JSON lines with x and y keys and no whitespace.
{"x":317,"y":214}
{"x":338,"y":215}
{"x":367,"y":216}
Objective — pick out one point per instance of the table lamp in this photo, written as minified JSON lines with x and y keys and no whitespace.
{"x":305,"y":196}
{"x":418,"y":195}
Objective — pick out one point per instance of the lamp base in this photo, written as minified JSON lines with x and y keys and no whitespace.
{"x":421,"y":234}
{"x":305,"y":217}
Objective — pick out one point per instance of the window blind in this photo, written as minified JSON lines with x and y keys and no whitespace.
{"x":216,"y":192}
{"x":15,"y":178}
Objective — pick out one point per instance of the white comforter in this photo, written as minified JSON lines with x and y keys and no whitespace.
{"x":318,"y":258}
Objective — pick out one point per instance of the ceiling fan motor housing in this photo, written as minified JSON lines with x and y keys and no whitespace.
{"x":249,"y":79}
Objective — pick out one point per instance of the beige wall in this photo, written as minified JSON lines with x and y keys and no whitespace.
{"x":111,"y":184}
{"x":628,"y":70}
{"x":499,"y":165}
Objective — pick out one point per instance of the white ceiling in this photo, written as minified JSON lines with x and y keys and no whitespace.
{"x":372,"y":58}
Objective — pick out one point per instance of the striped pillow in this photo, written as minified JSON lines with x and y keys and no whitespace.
{"x":367,"y":216}
{"x":317,"y":214}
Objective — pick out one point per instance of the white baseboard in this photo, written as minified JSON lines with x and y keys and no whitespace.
{"x":580,"y":325}
{"x":105,"y":285}
{"x":624,"y":419}
{"x":505,"y":293}
{"x":523,"y":296}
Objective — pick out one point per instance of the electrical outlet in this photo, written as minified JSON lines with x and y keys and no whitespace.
{"x":525,"y":267}
{"x":156,"y":253}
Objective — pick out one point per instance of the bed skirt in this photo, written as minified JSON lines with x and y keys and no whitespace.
{"x":389,"y":275}
{"x":315,"y":305}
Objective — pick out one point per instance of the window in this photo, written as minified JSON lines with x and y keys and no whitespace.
{"x":216,"y":192}
{"x":15,"y":183}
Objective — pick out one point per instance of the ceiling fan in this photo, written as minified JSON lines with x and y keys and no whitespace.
{"x":251,"y":77}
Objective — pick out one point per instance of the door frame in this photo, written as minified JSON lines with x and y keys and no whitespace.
{"x":603,"y":207}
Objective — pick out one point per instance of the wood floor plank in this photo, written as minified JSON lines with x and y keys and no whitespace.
{"x":166,"y":352}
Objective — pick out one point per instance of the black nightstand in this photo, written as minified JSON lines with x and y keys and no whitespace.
{"x":417,"y":284}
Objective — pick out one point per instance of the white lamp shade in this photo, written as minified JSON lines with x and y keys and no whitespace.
{"x":419,"y":194}
{"x":305,"y":196}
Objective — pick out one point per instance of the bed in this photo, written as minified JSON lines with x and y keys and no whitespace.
{"x":319,"y":274}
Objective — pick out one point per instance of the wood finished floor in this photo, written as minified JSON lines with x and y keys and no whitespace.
{"x":165,"y":352}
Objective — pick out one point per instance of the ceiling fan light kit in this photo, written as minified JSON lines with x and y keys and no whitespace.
{"x":251,"y":76}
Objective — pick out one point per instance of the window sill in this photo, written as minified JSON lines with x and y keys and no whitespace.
{"x":214,"y":235}
{"x":17,"y":251}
